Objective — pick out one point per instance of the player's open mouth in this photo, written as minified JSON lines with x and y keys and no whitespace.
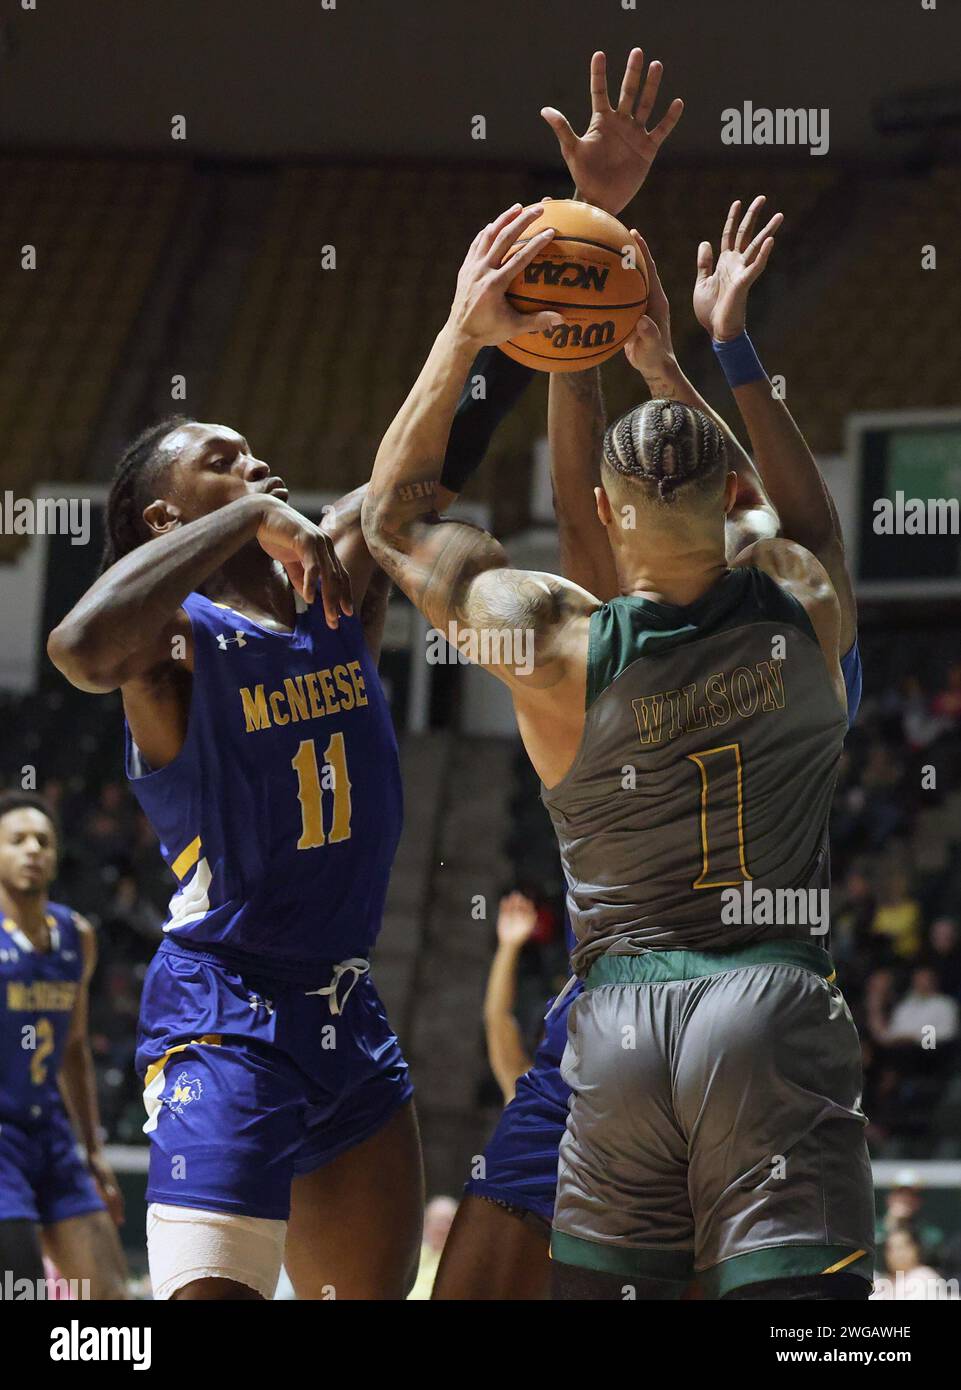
{"x":278,"y":488}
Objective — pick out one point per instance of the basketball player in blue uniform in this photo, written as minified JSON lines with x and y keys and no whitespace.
{"x":52,"y":1201}
{"x":260,"y":746}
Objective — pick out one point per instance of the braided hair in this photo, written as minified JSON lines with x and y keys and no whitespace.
{"x":141,"y":467}
{"x":666,"y":446}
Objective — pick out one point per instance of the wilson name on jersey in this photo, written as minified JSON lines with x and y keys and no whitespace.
{"x":707,"y":766}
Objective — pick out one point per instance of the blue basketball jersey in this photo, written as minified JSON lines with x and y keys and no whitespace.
{"x":37,"y":996}
{"x":281,"y":814}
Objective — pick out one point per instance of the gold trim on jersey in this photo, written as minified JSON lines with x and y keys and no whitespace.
{"x":186,"y":859}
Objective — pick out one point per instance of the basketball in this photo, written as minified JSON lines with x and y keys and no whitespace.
{"x":582,"y":274}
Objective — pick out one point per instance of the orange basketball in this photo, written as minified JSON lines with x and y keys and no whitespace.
{"x":585,"y":275}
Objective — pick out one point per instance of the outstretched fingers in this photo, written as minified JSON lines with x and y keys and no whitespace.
{"x":753,"y":249}
{"x":631,"y":83}
{"x":744,"y":230}
{"x":727,"y":235}
{"x":600,"y":100}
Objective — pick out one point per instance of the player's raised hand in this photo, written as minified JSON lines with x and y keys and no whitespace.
{"x":650,"y":345}
{"x":613,"y":157}
{"x":481,"y":312}
{"x":308,"y":555}
{"x":516,"y":919}
{"x":721,"y":291}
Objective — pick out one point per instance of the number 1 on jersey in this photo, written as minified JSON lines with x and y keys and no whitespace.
{"x":715,"y":765}
{"x":310,"y":792}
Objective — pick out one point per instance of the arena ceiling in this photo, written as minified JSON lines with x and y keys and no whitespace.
{"x":403,"y":78}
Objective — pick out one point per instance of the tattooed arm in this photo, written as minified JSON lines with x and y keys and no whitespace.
{"x":513,"y":622}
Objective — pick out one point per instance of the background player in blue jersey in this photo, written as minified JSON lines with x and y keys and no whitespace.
{"x":52,"y":1200}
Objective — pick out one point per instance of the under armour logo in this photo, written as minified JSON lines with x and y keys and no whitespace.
{"x":256,"y":1002}
{"x":238,"y":640}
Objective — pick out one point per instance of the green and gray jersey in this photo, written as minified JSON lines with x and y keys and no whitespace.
{"x":708,"y":760}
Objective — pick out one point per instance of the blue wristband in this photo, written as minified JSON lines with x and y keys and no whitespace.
{"x":739,"y":362}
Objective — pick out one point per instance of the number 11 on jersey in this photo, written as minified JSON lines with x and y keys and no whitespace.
{"x":310,"y":791}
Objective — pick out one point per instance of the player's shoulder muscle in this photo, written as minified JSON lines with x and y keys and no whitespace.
{"x":805,"y":578}
{"x":545,"y":611}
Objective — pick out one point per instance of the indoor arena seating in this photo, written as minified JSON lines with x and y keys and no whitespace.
{"x":320,"y":359}
{"x":883,"y":326}
{"x":98,"y":227}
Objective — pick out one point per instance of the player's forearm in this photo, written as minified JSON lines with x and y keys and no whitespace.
{"x":78,"y":1087}
{"x":373,"y":612}
{"x":788,"y":468}
{"x":505,"y":1052}
{"x":575,"y":427}
{"x":399,"y":510}
{"x":501,"y":989}
{"x":407,"y":468}
{"x":133,"y":602}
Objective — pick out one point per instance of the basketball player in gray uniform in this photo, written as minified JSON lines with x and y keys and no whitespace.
{"x":687,"y":734}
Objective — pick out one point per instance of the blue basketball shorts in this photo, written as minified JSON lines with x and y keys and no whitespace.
{"x":519,"y":1164}
{"x":43,"y":1177}
{"x":250,"y":1082}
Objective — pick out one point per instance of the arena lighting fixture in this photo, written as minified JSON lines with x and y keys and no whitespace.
{"x":920,"y":110}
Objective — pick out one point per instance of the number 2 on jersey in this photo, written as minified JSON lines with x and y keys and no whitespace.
{"x":44,"y":1047}
{"x":717,"y":766}
{"x":310,"y":793}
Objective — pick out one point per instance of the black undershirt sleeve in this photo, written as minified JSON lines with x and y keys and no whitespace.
{"x":478,"y":417}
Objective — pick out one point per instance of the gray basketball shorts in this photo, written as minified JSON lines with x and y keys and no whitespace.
{"x":715,"y":1123}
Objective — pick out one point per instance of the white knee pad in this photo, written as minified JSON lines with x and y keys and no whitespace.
{"x":185,"y":1243}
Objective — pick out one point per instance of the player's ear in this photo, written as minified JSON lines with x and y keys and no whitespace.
{"x":161,"y":517}
{"x":604,"y":511}
{"x":730,"y":491}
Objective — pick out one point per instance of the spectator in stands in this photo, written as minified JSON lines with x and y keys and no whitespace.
{"x":947,"y":703}
{"x":898,"y":916}
{"x":903,"y":1211}
{"x":878,"y":998}
{"x":909,"y":1276}
{"x":943,"y":954}
{"x":882,"y":785}
{"x":851,"y":919}
{"x":921,"y":725}
{"x":925,"y":1017}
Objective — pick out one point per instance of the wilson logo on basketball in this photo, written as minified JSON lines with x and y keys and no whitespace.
{"x":576,"y":335}
{"x":574,"y":274}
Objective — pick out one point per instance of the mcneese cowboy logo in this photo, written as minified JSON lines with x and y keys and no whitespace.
{"x":186,"y":1089}
{"x":573,"y":274}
